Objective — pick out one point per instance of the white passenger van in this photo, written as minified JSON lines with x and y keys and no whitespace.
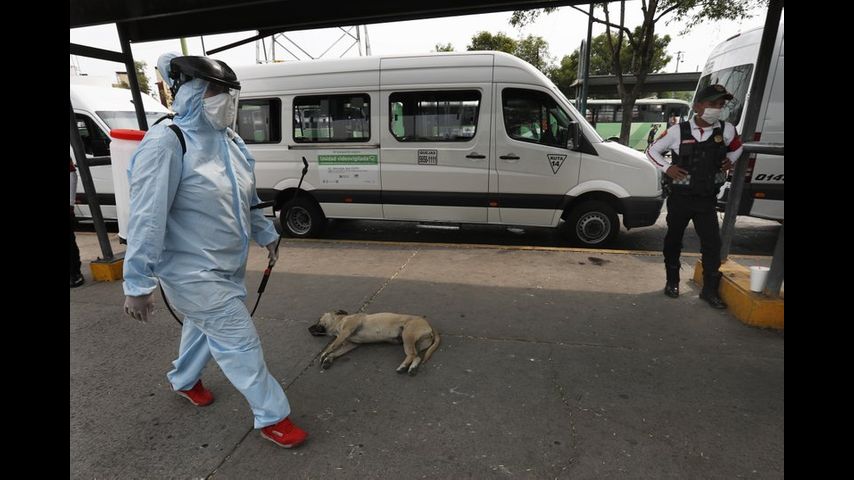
{"x":475,"y":137}
{"x":97,"y":111}
{"x":732,"y":64}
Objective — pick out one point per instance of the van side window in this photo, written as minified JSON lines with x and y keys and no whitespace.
{"x":534,"y":116}
{"x":618,"y":115}
{"x":332,"y":118}
{"x":651,"y":113}
{"x":434,"y":116}
{"x":260,"y":120}
{"x":94,"y":141}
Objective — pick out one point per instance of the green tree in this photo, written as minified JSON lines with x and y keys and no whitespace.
{"x":534,"y":50}
{"x":141,"y":77}
{"x":600,"y":55}
{"x":520,"y":18}
{"x":444,"y":48}
{"x":565,"y":73}
{"x":139,"y":66}
{"x":487,"y":41}
{"x":642,"y":41}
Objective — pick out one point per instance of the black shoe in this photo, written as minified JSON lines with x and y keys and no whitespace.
{"x":671,"y":290}
{"x":76,"y":280}
{"x":713,"y":300}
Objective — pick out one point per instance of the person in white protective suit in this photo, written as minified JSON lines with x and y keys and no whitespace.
{"x":190,"y":226}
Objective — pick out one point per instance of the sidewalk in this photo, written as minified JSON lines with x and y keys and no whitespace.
{"x":553,"y":364}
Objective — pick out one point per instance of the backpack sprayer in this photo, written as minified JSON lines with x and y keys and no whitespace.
{"x":270,"y":264}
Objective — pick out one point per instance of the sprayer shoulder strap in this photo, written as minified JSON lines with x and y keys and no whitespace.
{"x":180,"y":135}
{"x":175,"y":129}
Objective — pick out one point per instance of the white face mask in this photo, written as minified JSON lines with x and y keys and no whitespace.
{"x":711,"y":115}
{"x":220,"y":110}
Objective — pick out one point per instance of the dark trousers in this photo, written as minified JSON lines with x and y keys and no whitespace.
{"x":75,"y":252}
{"x":701,"y":210}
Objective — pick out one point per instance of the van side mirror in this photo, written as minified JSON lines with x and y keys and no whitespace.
{"x":572,"y":137}
{"x":100,"y":147}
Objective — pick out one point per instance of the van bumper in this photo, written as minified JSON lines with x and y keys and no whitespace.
{"x":641,"y":211}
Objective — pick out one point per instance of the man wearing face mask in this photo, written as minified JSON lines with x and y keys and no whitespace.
{"x":190,"y":226}
{"x":703,"y":149}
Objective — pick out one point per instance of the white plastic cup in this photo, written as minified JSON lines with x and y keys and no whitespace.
{"x":758,"y":278}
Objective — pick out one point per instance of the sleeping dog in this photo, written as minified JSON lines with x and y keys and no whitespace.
{"x":351,"y":330}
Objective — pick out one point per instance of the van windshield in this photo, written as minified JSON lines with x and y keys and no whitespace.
{"x":736,"y":80}
{"x":127,"y":120}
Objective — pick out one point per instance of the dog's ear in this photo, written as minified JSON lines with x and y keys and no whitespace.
{"x":341,"y":312}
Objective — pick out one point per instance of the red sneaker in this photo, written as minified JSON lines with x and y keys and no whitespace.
{"x":284,"y":434}
{"x":198,"y":395}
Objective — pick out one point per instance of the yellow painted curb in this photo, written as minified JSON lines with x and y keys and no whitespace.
{"x":750,"y":307}
{"x":108,"y":270}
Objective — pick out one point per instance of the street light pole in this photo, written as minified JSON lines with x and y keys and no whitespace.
{"x":678,"y":59}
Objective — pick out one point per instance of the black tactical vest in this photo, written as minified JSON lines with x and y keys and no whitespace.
{"x":702,"y":160}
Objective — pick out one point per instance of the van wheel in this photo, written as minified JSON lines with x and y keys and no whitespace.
{"x":301,"y":218}
{"x":592,"y":224}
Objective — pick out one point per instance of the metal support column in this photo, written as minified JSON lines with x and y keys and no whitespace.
{"x":132,"y":80}
{"x":760,"y":77}
{"x":582,"y":104}
{"x":89,"y":187}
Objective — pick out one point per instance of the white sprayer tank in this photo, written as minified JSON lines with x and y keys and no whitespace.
{"x":122,"y":145}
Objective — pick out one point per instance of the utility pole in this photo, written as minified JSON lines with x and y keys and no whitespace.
{"x":367,"y":42}
{"x":355,"y":38}
{"x":678,"y":59}
{"x":585,"y":63}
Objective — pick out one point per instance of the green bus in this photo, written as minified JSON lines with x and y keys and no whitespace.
{"x":648,"y":114}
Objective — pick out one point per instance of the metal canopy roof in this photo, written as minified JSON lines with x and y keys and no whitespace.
{"x":655,"y":82}
{"x":166,"y":19}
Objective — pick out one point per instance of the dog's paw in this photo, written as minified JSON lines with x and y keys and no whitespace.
{"x":401,"y":369}
{"x":325,"y":363}
{"x":413,"y":371}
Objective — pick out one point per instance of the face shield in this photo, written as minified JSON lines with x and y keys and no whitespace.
{"x":222,"y":91}
{"x":220,"y":103}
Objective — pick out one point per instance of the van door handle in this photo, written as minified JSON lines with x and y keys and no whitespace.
{"x":509,"y":157}
{"x":475,"y":155}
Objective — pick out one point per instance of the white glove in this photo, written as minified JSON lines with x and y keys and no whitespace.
{"x":140,"y":307}
{"x":273,"y":253}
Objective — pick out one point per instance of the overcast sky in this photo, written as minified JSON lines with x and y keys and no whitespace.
{"x":563,"y":30}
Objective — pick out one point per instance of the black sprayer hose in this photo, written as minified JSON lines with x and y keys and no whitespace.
{"x":163,"y":294}
{"x":269,"y":268}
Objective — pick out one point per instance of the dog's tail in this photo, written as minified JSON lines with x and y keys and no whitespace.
{"x":433,"y":346}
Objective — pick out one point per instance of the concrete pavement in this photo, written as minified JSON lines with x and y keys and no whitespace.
{"x":554,"y":363}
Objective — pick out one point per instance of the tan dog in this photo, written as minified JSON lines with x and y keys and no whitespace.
{"x":351,"y":330}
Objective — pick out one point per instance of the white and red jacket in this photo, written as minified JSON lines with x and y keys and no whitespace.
{"x":670,"y":140}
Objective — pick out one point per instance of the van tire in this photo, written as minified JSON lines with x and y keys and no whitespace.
{"x":593,"y":223}
{"x":302,"y":218}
